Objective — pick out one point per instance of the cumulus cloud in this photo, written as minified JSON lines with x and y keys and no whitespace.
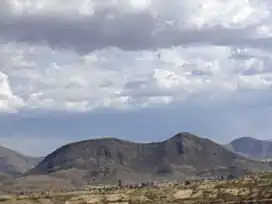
{"x":8,"y":101}
{"x":85,"y":26}
{"x":112,"y":78}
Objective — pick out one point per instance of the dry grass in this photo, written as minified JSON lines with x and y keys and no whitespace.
{"x":206,"y":192}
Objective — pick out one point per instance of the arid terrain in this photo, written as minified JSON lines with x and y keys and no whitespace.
{"x":246,"y":189}
{"x":185,"y":168}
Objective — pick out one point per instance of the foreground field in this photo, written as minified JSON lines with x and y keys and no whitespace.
{"x":244,"y":190}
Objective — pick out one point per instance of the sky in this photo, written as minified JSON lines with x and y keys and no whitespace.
{"x":141,"y":70}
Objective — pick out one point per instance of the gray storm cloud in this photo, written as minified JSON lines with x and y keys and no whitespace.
{"x":113,"y":27}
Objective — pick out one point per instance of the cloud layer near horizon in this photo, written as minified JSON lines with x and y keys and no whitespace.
{"x":87,"y":55}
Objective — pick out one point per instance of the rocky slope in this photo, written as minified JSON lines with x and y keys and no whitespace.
{"x":110,"y":159}
{"x":251,"y":147}
{"x":13,"y":163}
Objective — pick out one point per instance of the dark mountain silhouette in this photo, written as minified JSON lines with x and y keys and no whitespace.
{"x":251,"y":147}
{"x":13,"y":163}
{"x":109,"y":159}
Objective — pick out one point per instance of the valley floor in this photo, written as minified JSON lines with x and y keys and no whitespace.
{"x":243,"y":190}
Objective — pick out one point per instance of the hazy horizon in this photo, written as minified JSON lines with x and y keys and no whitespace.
{"x":124,"y":138}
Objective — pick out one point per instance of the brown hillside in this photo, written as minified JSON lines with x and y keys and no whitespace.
{"x":110,"y":159}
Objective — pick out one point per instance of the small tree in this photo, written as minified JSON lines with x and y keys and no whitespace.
{"x":120,"y":185}
{"x":187,"y":183}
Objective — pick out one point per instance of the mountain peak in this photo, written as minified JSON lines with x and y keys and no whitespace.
{"x":246,"y":138}
{"x":185,"y":135}
{"x":251,"y":147}
{"x":13,"y":162}
{"x":103,"y":160}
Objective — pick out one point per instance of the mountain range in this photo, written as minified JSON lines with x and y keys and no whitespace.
{"x":14,"y":163}
{"x":251,"y":148}
{"x":108,"y":160}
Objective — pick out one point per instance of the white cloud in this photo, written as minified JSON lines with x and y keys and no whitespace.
{"x":8,"y":101}
{"x":228,"y":13}
{"x":111,"y":78}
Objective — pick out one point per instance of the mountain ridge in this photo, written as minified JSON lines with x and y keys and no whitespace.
{"x":15,"y":163}
{"x":251,"y":147}
{"x":110,"y":159}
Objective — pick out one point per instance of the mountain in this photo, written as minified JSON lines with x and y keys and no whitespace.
{"x":13,"y":163}
{"x":251,"y":147}
{"x":109,"y":159}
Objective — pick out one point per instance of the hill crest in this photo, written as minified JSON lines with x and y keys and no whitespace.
{"x":109,"y":159}
{"x":251,"y":147}
{"x":14,"y":163}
